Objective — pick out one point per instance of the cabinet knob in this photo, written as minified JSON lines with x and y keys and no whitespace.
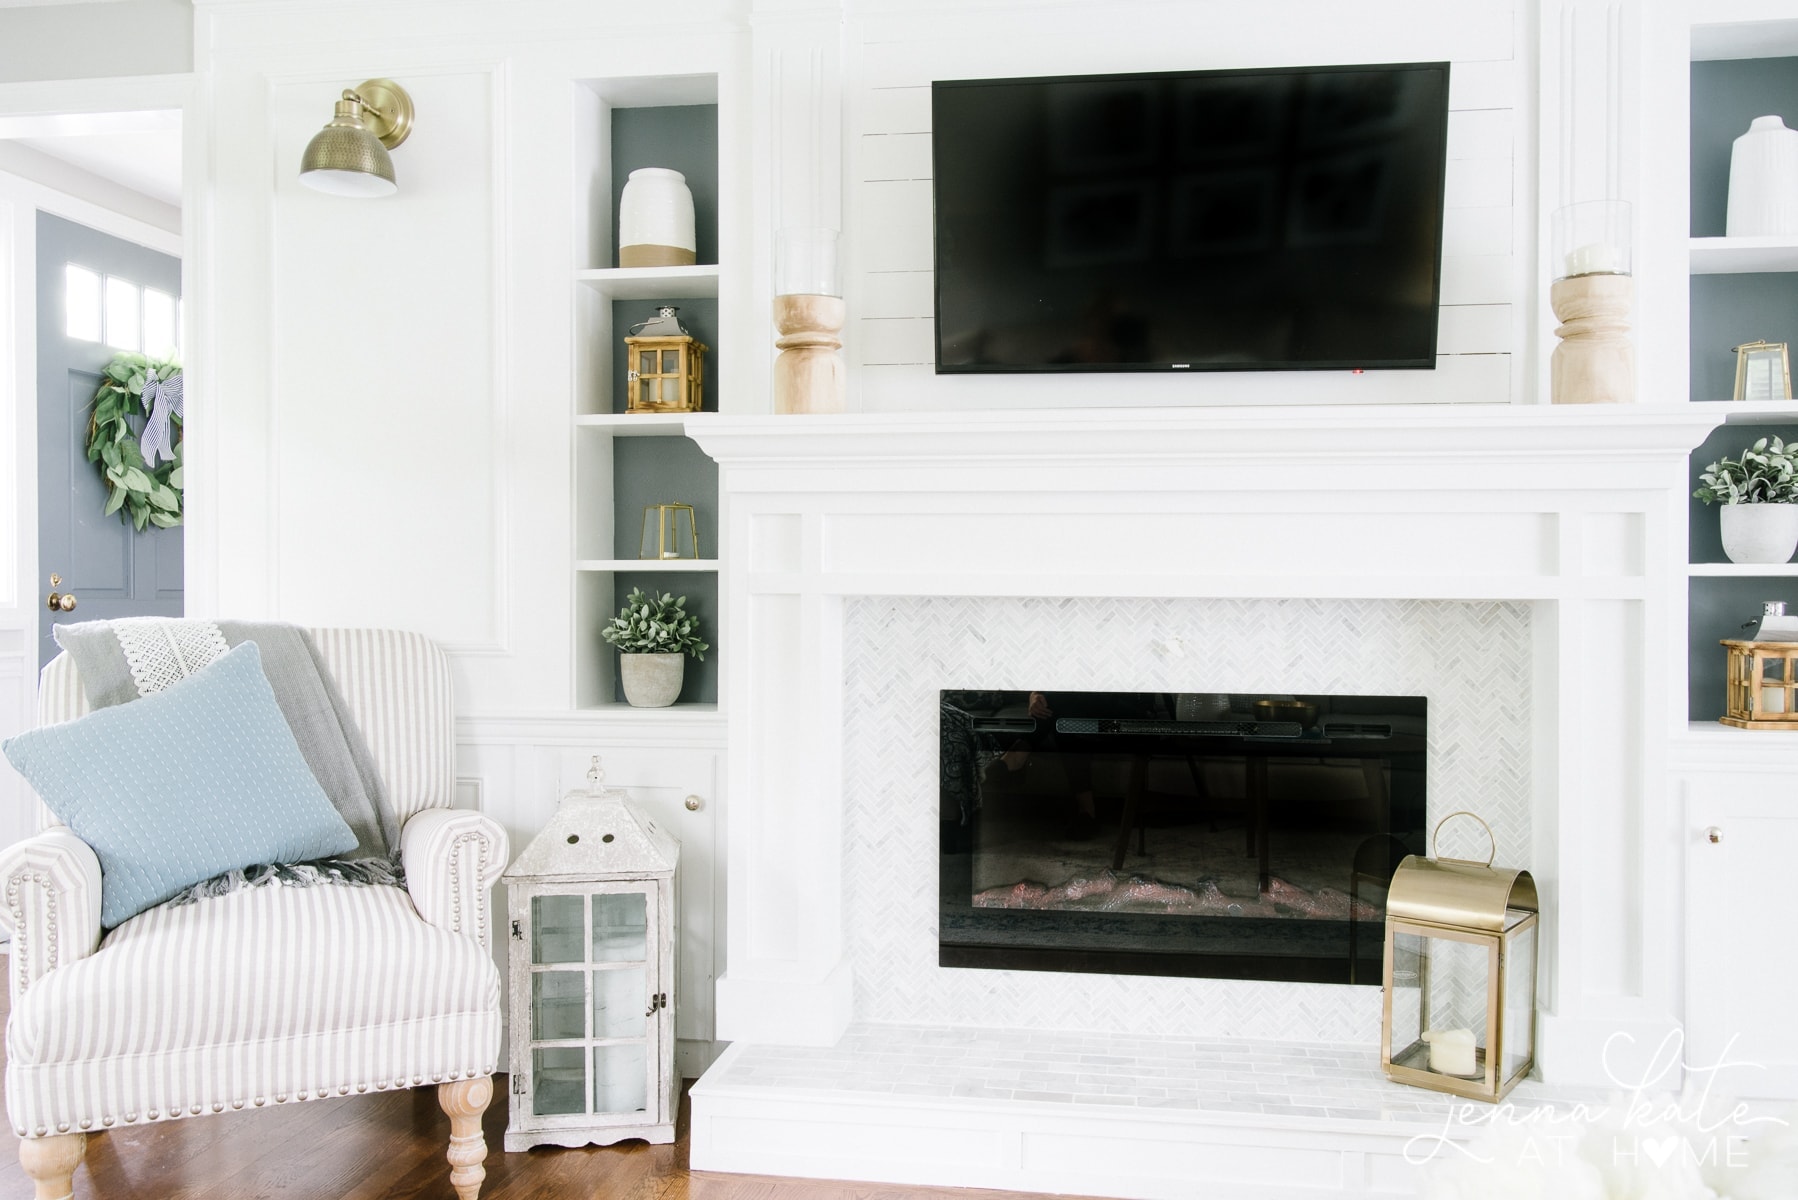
{"x":1713,"y":835}
{"x":694,"y":803}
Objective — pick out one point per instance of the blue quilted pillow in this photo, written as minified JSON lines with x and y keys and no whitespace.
{"x":183,"y":784}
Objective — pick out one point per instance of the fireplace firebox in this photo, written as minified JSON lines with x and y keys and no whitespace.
{"x":1207,"y":835}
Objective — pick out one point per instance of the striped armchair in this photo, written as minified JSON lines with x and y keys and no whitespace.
{"x":267,"y":995}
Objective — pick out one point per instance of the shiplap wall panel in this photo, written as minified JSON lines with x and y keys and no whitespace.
{"x":903,"y":48}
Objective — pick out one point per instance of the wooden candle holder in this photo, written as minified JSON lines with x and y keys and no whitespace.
{"x":808,"y":375}
{"x":1595,"y":362}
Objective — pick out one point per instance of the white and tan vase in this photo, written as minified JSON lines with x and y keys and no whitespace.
{"x":1759,"y":533}
{"x":651,"y":680}
{"x":1763,"y":181}
{"x":655,"y":220}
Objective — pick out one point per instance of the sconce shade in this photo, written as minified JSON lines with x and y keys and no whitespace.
{"x":348,"y":157}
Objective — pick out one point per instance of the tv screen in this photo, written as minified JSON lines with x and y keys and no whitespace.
{"x":1284,"y":219}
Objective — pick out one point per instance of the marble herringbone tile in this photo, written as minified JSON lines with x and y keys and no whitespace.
{"x":1470,"y":658}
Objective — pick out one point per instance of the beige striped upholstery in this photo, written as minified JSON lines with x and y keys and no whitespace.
{"x":266,"y":995}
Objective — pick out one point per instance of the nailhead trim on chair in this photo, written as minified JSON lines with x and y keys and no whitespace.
{"x":21,"y":941}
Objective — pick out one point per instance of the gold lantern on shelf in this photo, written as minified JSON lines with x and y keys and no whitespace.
{"x":666,"y":371}
{"x":668,"y":532}
{"x":1759,"y":683}
{"x":1763,"y":371}
{"x":1460,"y":1005}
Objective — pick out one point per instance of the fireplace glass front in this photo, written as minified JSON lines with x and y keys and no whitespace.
{"x":1150,"y":833}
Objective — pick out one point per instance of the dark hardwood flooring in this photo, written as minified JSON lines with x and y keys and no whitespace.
{"x":390,"y":1146}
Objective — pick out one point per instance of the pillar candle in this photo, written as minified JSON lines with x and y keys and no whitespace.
{"x":1452,"y":1052}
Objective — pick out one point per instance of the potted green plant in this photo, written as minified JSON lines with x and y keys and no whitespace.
{"x":653,"y":635}
{"x":1759,"y":494}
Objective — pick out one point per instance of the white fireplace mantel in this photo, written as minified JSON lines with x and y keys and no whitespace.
{"x":1580,"y":511}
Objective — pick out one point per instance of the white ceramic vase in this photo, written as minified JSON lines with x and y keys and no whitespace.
{"x":655,"y":220}
{"x":651,"y":680}
{"x":1759,"y":533}
{"x":1763,"y":181}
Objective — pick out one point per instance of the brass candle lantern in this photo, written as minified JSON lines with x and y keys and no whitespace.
{"x":667,"y":366}
{"x":1460,"y":1005}
{"x":1763,"y":371}
{"x":668,"y":532}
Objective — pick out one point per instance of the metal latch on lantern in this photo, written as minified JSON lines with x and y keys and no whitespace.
{"x":517,"y":933}
{"x":659,"y":1000}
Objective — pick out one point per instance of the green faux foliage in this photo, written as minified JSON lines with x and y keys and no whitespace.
{"x":655,"y":625}
{"x":1766,"y":473}
{"x":139,"y":493}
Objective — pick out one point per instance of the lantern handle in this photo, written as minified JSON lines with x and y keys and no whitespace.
{"x":1490,"y":837}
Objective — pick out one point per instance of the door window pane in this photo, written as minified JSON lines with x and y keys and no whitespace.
{"x":81,"y":303}
{"x":559,"y":1080}
{"x":556,"y":929}
{"x":159,"y":324}
{"x":557,"y":999}
{"x":620,"y":1002}
{"x":121,"y":314}
{"x":620,"y":1078}
{"x":621,"y":927}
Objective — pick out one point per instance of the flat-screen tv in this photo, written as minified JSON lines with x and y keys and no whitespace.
{"x":1258,"y":220}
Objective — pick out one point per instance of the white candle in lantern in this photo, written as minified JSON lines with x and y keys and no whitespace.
{"x":1592,"y":258}
{"x":1451,"y":1051}
{"x":1773,"y":699}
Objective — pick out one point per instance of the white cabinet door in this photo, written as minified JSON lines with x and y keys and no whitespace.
{"x":1741,"y":974}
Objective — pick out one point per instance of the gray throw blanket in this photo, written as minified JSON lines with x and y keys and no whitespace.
{"x":119,"y":661}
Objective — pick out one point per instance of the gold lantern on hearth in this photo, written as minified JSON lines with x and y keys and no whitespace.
{"x":1460,"y":1005}
{"x":666,"y":366}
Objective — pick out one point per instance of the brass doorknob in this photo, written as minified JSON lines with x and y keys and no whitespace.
{"x":1714,"y":834}
{"x":59,"y":601}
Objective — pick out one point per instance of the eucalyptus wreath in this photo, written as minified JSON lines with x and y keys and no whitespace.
{"x":135,"y":437}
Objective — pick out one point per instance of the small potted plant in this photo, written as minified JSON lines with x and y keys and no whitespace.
{"x":652,"y":634}
{"x":1759,"y":494}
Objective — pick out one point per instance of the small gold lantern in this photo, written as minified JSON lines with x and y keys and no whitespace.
{"x":667,"y":366}
{"x":1460,"y":1006}
{"x":1763,"y":371}
{"x":1759,"y":684}
{"x":674,"y":533}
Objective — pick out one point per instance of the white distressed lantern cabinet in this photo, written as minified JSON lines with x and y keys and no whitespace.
{"x":592,"y":902}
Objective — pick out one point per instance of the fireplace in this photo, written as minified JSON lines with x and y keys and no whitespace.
{"x":1157,"y":833}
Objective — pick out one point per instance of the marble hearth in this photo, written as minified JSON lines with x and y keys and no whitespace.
{"x":919,"y":541}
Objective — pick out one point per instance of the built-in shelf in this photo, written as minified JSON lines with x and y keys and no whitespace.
{"x":652,"y":283}
{"x":672,"y":565}
{"x":636,"y":424}
{"x":1755,"y":412}
{"x":673,"y":712}
{"x":1743,"y":255}
{"x":1743,"y":570}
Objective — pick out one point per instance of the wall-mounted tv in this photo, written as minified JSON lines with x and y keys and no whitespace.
{"x":1244,"y":220}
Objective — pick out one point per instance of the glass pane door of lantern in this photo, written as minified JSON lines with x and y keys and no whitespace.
{"x":1408,"y":965}
{"x":558,"y":927}
{"x":623,"y":1030}
{"x":1455,"y":997}
{"x":1520,"y":991}
{"x":558,"y":1080}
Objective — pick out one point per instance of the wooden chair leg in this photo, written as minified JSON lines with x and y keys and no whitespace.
{"x":51,"y":1163}
{"x":465,"y":1100}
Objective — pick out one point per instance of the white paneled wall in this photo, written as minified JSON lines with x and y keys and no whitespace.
{"x":899,"y":49}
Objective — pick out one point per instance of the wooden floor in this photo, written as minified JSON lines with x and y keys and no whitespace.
{"x":390,"y":1146}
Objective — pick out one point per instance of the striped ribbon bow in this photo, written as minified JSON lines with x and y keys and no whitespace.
{"x":161,"y":397}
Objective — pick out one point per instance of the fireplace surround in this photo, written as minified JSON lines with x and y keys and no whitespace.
{"x":848,"y":532}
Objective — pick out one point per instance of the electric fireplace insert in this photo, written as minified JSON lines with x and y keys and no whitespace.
{"x":1150,"y":833}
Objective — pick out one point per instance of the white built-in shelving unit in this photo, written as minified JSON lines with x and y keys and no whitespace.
{"x":625,"y":461}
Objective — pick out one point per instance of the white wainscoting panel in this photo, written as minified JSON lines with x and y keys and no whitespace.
{"x":1470,"y":658}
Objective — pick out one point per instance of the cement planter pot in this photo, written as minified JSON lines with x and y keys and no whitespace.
{"x":651,"y":680}
{"x":1759,"y":533}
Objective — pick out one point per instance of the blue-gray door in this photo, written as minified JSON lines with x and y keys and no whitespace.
{"x":96,"y":295}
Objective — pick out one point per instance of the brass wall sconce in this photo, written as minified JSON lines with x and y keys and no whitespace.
{"x":668,"y":532}
{"x":1763,"y":371}
{"x":348,"y":157}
